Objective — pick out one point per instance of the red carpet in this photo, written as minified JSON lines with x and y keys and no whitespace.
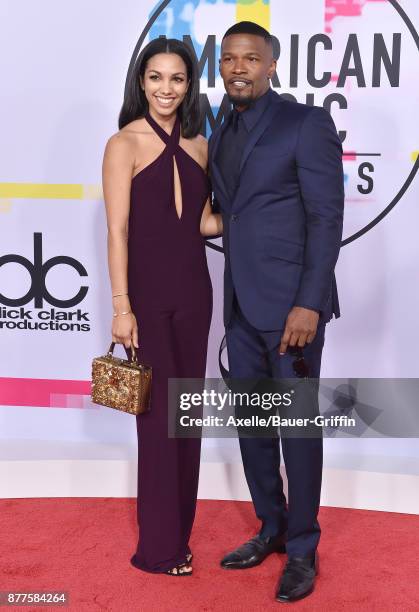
{"x":368,"y":560}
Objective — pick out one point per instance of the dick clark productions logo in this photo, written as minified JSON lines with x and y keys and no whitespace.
{"x":13,"y":312}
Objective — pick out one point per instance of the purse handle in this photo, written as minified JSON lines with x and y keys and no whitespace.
{"x":133,"y":352}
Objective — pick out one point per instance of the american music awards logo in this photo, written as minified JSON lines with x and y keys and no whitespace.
{"x":356,"y":58}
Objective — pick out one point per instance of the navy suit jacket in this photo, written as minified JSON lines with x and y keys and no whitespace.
{"x":283,"y":229}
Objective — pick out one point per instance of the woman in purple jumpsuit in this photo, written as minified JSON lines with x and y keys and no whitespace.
{"x":157,"y":197}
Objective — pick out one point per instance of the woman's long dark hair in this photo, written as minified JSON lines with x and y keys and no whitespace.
{"x":135,"y":103}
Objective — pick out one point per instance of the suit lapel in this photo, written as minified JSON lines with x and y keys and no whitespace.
{"x":260,"y":127}
{"x":254,"y":136}
{"x":216,"y":172}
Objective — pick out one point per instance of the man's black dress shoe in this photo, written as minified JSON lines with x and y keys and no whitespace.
{"x":297,"y":580}
{"x":254,"y":552}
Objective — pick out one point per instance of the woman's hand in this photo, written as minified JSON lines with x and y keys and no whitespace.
{"x":211,"y":223}
{"x":125,"y":330}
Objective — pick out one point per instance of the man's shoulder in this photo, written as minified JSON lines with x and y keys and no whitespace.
{"x":294,"y":111}
{"x":298,"y":110}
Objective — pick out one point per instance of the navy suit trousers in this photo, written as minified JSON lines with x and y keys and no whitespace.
{"x":253,"y":354}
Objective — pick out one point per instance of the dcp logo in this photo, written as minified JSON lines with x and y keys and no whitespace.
{"x":38,"y":272}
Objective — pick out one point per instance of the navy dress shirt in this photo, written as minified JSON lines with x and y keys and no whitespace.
{"x":234,"y":138}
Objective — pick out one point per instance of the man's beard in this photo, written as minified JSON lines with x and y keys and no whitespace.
{"x":240,"y":100}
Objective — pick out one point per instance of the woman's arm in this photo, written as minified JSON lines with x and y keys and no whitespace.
{"x":118,"y":163}
{"x":211,"y":223}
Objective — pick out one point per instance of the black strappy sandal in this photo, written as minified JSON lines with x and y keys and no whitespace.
{"x":177,"y":570}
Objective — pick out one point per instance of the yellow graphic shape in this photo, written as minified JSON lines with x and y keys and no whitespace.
{"x":257,"y":11}
{"x":50,"y":191}
{"x":414,"y":155}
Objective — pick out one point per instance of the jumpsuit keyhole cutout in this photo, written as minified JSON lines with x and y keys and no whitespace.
{"x":177,"y":190}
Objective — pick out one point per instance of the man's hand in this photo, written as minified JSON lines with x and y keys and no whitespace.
{"x":300,"y":328}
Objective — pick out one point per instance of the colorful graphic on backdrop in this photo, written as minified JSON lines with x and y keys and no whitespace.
{"x":328,"y":58}
{"x":350,"y":56}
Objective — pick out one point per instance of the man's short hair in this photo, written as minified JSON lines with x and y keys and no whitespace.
{"x":249,"y":27}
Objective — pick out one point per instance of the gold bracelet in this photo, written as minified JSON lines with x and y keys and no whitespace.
{"x":116,"y":314}
{"x":117,"y":294}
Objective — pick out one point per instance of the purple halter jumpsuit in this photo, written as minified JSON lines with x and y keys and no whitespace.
{"x":171,"y":296}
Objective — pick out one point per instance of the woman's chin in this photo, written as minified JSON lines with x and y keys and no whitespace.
{"x":164,"y":111}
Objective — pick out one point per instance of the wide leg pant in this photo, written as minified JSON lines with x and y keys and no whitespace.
{"x":174,"y":342}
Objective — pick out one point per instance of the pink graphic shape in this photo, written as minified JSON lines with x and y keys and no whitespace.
{"x":44,"y":392}
{"x":343,"y":8}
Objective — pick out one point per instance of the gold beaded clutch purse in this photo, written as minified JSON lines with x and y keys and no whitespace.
{"x":121,"y":384}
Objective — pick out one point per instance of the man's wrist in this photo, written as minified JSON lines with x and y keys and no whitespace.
{"x":307,"y":307}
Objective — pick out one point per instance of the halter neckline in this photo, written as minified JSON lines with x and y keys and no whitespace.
{"x":173,"y":136}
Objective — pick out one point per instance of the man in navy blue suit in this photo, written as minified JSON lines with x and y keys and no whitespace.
{"x":276,"y":170}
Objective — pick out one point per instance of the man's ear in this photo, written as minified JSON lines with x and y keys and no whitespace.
{"x":272,"y":69}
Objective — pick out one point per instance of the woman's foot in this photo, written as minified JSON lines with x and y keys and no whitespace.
{"x":183,"y":569}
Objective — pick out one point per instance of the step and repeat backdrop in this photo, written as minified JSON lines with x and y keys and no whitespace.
{"x":63,"y":68}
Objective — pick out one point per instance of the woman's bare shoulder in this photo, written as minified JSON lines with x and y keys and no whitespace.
{"x":119,"y":141}
{"x":200,"y":143}
{"x":125,"y":142}
{"x":130,"y":132}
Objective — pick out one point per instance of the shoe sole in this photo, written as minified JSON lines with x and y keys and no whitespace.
{"x":316,"y":573}
{"x":309,"y":592}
